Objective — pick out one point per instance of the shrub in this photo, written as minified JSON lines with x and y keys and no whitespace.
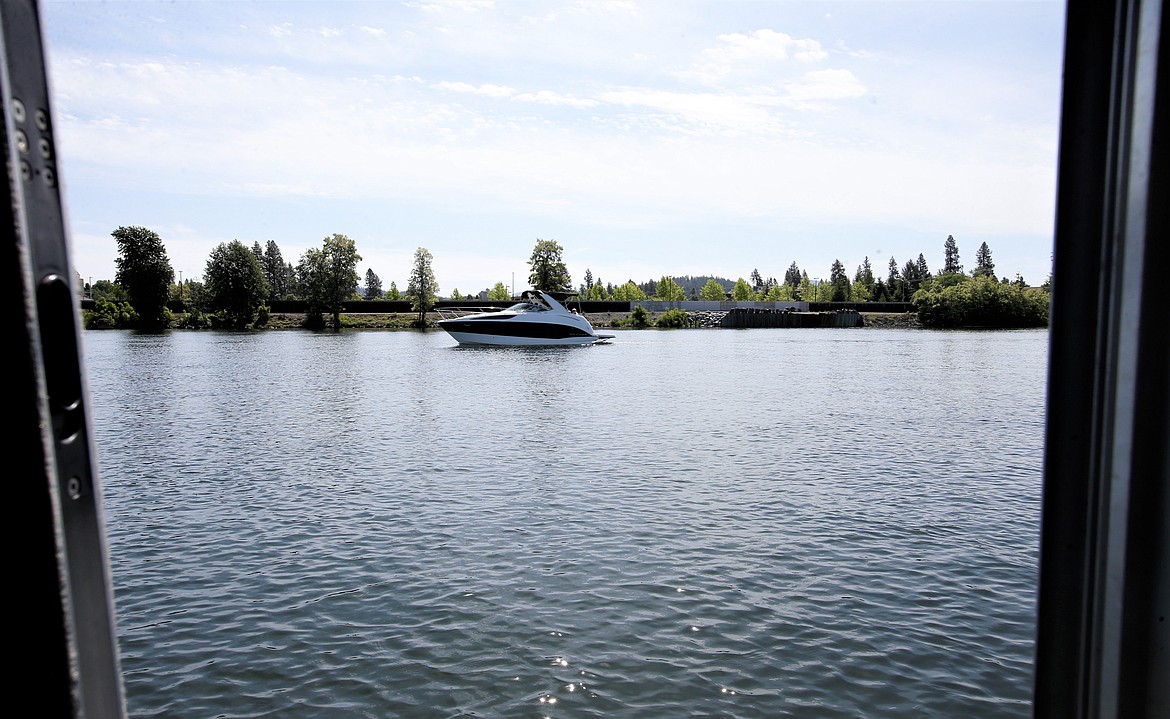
{"x":981,"y":302}
{"x":639,"y":318}
{"x":675,"y":318}
{"x":110,"y":315}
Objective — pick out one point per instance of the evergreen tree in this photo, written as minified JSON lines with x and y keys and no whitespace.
{"x":235,"y":284}
{"x":951,"y":257}
{"x":373,"y":285}
{"x":792,"y":277}
{"x":984,"y":267}
{"x":588,"y":280}
{"x":422,"y":290}
{"x":910,"y":280}
{"x":393,"y":293}
{"x":548,"y":268}
{"x":275,"y":271}
{"x":143,"y":270}
{"x":839,"y":289}
{"x":865,"y":273}
{"x":757,"y":281}
{"x":923,"y":270}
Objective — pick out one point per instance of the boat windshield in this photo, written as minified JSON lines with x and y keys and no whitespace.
{"x":527,"y":307}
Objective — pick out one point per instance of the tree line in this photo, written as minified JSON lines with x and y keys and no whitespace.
{"x":239,"y":282}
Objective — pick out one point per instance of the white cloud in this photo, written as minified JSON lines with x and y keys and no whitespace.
{"x":485,"y":90}
{"x":824,"y":85}
{"x":748,"y":57}
{"x":374,"y":31}
{"x":548,"y":97}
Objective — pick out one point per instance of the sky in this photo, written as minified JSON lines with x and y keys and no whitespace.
{"x":648,"y":139}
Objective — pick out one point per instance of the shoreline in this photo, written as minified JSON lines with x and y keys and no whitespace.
{"x":602,"y":320}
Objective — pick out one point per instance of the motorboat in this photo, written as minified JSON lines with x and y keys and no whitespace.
{"x":539,"y":318}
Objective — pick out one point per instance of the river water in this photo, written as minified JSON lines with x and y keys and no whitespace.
{"x":695,"y":523}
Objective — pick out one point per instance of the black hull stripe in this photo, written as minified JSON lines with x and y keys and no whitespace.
{"x":534,"y":330}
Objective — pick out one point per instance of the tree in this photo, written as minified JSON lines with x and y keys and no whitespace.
{"x":839,"y":289}
{"x":235,"y":284}
{"x":373,"y":285}
{"x":499,"y":292}
{"x":804,"y":290}
{"x":742,"y":290}
{"x":143,"y":269}
{"x":778,"y":293}
{"x":670,"y":291}
{"x":548,"y":269}
{"x":276,"y":272}
{"x":588,"y":280}
{"x":951,"y":257}
{"x":628,"y":292}
{"x":109,"y":291}
{"x":984,"y":267}
{"x":910,"y":280}
{"x":422,"y":290}
{"x":713,"y":291}
{"x":328,"y":276}
{"x":923,"y":270}
{"x":894,"y":280}
{"x":597,"y":292}
{"x":393,"y":293}
{"x":792,"y":277}
{"x":864,"y":275}
{"x":757,"y":281}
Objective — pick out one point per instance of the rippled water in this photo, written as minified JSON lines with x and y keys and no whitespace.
{"x":734,"y":523}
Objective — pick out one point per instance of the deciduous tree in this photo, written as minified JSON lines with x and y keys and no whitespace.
{"x":235,"y":284}
{"x":629,"y":292}
{"x":422,"y":290}
{"x":328,"y":276}
{"x":499,"y":292}
{"x":142,"y":268}
{"x":548,"y":268}
{"x":670,"y":291}
{"x":713,"y":291}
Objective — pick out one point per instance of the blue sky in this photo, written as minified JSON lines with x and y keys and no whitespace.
{"x":647,"y":138}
